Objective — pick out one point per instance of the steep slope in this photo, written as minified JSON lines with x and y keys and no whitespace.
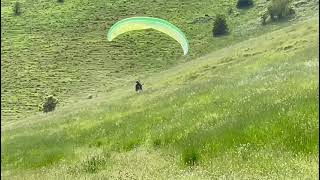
{"x":247,"y":111}
{"x":61,"y":48}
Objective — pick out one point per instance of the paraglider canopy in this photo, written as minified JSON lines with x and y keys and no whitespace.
{"x":139,"y":23}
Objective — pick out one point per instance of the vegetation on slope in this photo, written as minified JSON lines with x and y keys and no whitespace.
{"x":246,"y":111}
{"x":60,"y":49}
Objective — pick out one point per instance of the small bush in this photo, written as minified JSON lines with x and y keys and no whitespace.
{"x":60,"y":1}
{"x":17,"y":8}
{"x":99,"y":143}
{"x":156,"y":143}
{"x":220,"y":26}
{"x":279,"y":9}
{"x":93,"y":164}
{"x":244,"y":3}
{"x":190,"y":157}
{"x":49,"y":104}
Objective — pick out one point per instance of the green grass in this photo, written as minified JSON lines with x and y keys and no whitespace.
{"x":61,"y":48}
{"x":246,"y":111}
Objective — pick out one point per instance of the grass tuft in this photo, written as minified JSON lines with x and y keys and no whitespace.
{"x":190,"y":156}
{"x":93,"y":164}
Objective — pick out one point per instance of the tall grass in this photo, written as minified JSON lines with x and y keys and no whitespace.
{"x":250,"y":113}
{"x":61,"y":48}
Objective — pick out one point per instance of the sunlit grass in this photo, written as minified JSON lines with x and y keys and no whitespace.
{"x":62,"y":49}
{"x":223,"y":116}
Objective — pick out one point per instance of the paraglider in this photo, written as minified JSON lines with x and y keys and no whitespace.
{"x":138,"y":87}
{"x":139,"y":23}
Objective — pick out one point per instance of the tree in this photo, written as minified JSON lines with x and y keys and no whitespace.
{"x":244,"y":3}
{"x":220,"y":26}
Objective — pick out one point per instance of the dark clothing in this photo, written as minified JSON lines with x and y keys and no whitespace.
{"x":138,"y":86}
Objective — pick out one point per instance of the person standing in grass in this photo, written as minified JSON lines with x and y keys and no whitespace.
{"x":138,"y":87}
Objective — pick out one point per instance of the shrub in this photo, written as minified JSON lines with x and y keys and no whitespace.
{"x":60,"y":1}
{"x":93,"y":164}
{"x":17,"y":8}
{"x":279,"y":9}
{"x":244,"y":3}
{"x":220,"y":26}
{"x":190,"y":157}
{"x":156,"y":142}
{"x":49,"y":104}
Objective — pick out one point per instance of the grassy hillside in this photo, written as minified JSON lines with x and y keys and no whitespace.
{"x":61,"y":48}
{"x":246,"y":111}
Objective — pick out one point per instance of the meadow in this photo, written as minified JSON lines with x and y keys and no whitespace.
{"x":248,"y":110}
{"x":61,"y":49}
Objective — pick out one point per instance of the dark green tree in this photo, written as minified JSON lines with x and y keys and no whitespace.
{"x":244,"y":3}
{"x":220,"y":26}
